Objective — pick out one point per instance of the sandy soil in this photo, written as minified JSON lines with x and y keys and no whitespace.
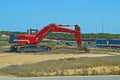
{"x":102,"y":70}
{"x":7,"y":59}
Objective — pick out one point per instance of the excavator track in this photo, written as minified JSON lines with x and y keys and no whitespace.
{"x":29,"y":48}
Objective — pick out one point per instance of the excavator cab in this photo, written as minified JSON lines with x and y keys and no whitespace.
{"x":32,"y":31}
{"x":14,"y":38}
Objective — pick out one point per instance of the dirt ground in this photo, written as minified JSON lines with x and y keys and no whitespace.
{"x":7,"y":59}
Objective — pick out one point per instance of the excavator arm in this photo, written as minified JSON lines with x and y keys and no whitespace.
{"x":58,"y":28}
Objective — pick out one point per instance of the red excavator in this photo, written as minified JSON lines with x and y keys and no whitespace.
{"x":28,"y":42}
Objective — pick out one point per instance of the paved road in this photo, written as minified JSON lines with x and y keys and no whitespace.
{"x":66,"y":78}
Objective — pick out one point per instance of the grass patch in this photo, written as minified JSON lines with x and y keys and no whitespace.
{"x":61,"y":67}
{"x":3,"y":44}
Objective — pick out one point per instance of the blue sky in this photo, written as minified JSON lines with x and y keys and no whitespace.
{"x":19,"y":15}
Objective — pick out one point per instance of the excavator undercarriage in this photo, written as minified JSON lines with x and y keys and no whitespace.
{"x":29,"y":48}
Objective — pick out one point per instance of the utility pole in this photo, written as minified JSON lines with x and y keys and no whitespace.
{"x":102,"y":34}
